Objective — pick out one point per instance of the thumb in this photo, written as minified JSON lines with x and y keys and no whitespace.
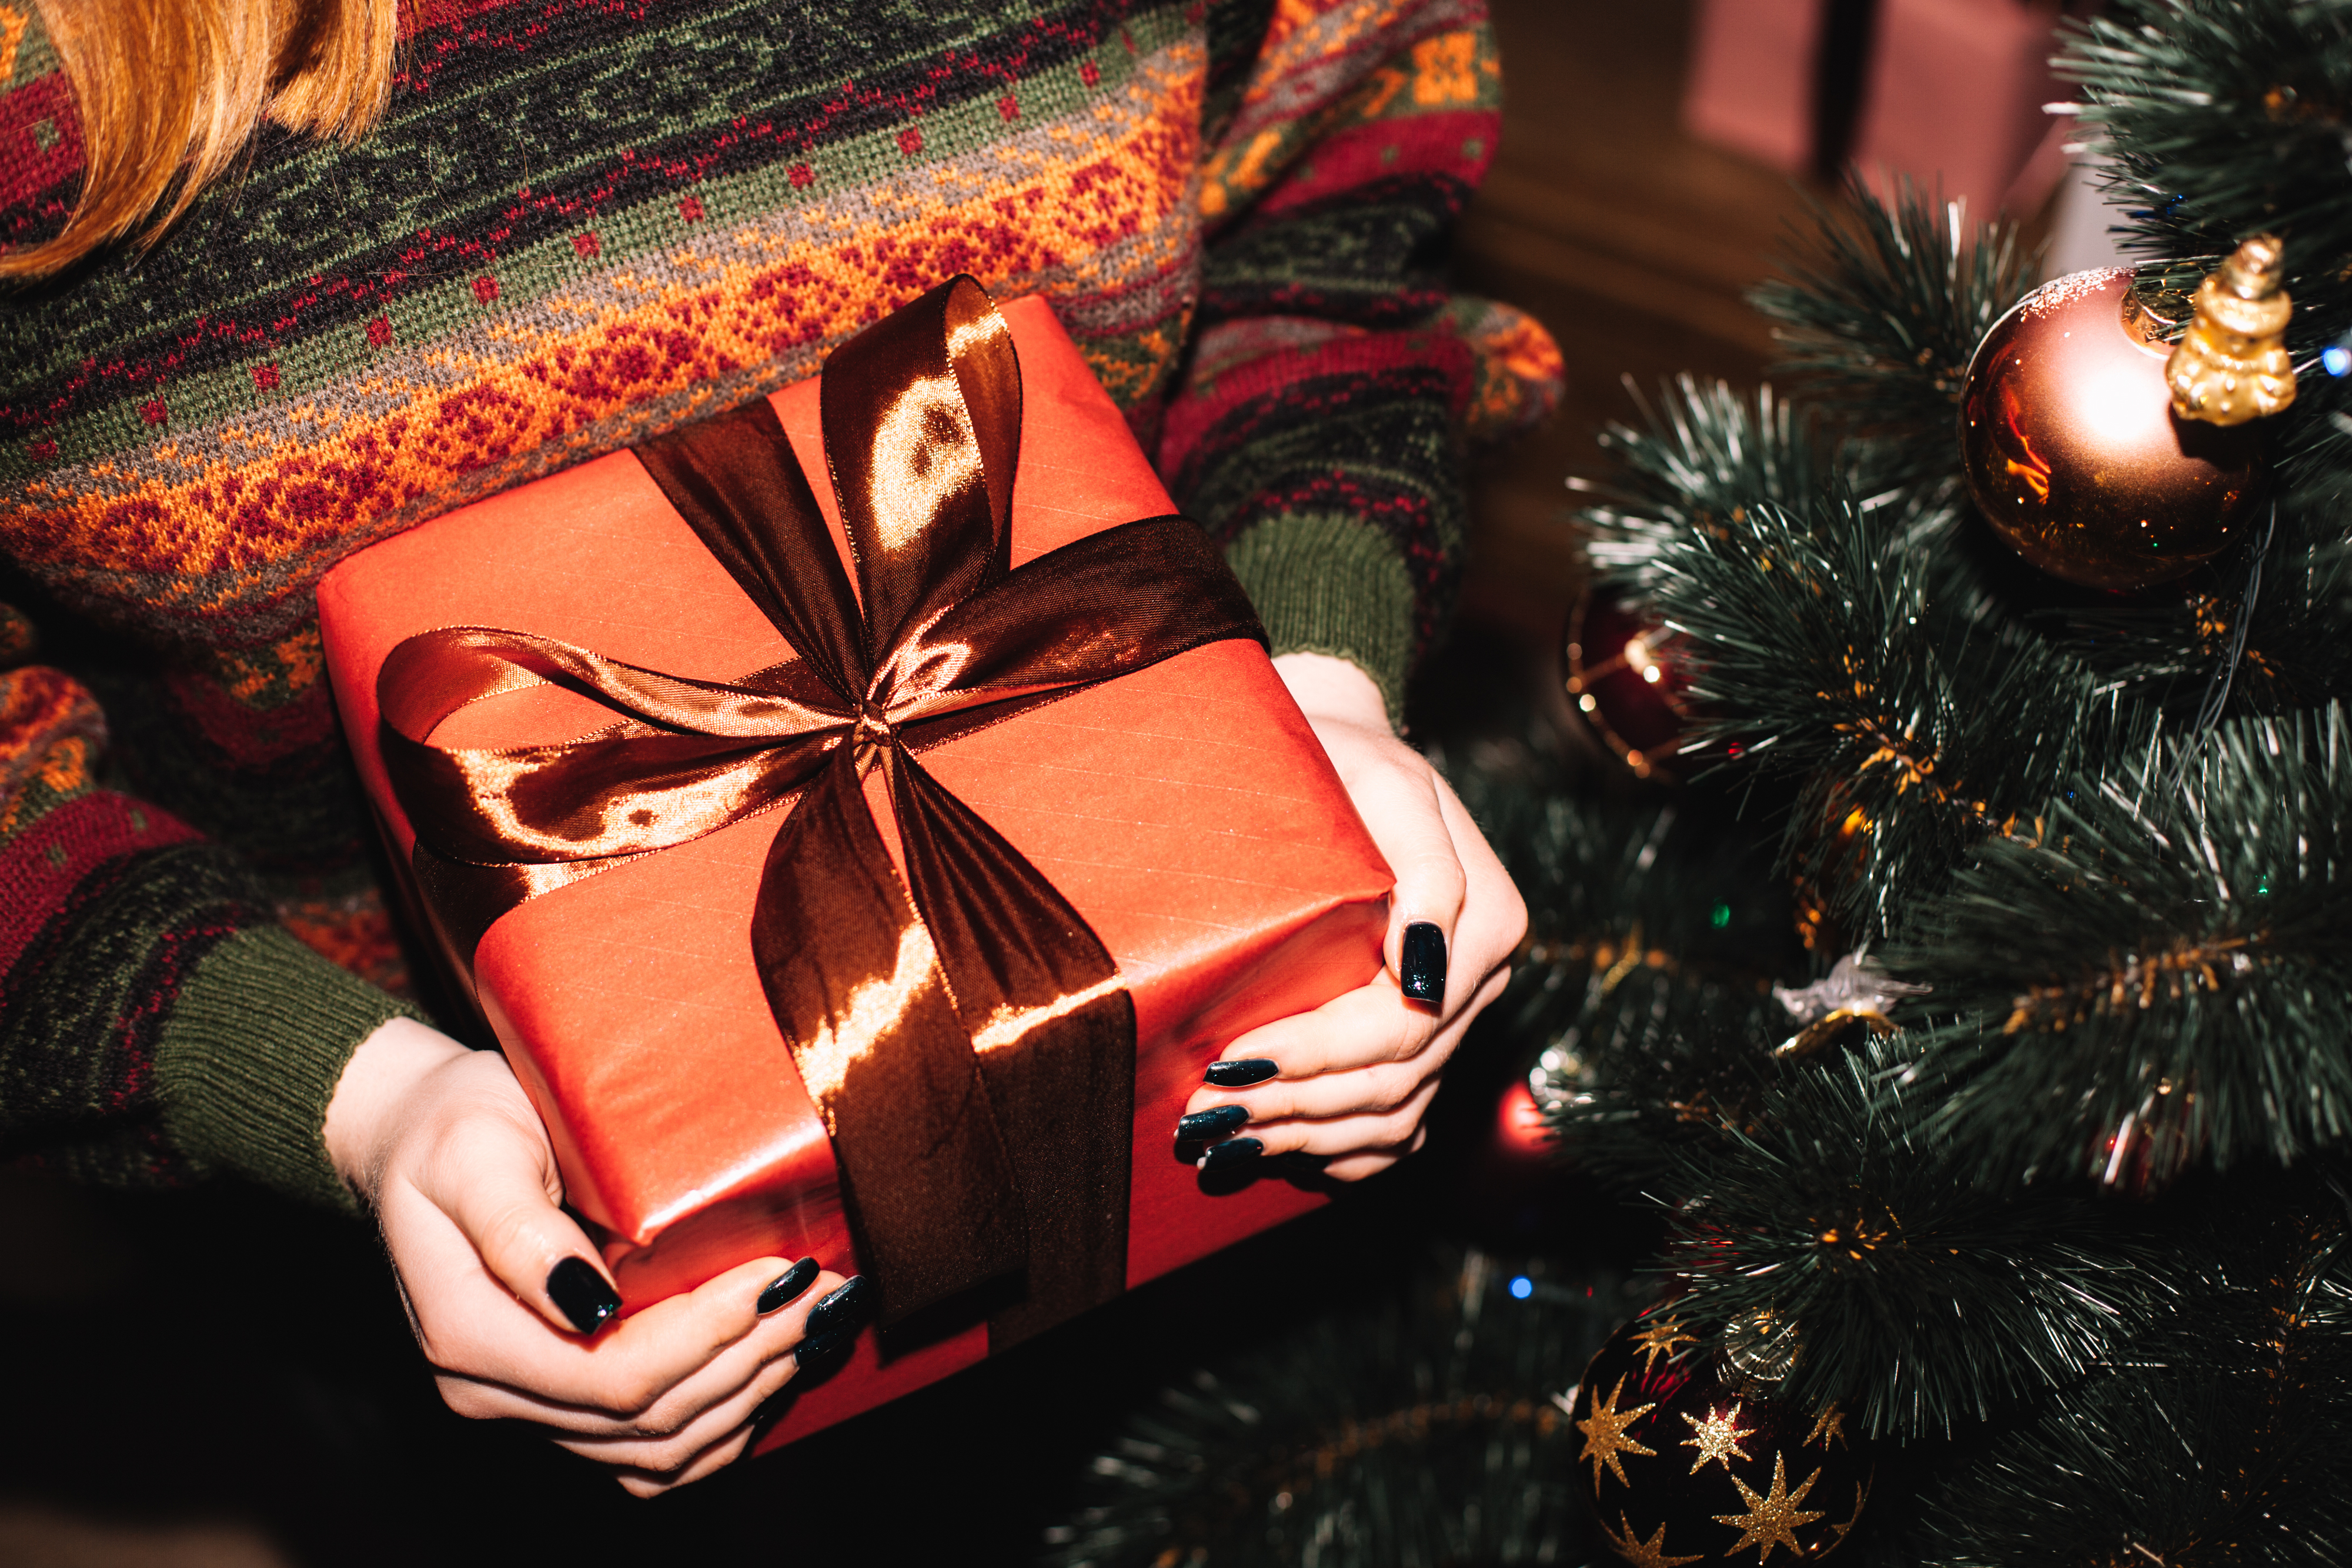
{"x":494,"y":1177}
{"x":1403,"y":808}
{"x":1397,"y":794}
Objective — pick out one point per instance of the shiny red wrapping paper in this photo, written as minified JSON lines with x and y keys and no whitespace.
{"x":1186,"y":810}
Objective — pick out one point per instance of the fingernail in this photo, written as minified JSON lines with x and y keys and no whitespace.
{"x":821,"y":1353}
{"x":582,"y":1294}
{"x":1214,"y":1123}
{"x":1233,"y":1151}
{"x":787,"y":1286}
{"x":1241,"y":1074}
{"x":845,"y":1308}
{"x":1423,"y":972}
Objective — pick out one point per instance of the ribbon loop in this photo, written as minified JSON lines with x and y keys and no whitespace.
{"x":964,"y":1034}
{"x":925,"y":486}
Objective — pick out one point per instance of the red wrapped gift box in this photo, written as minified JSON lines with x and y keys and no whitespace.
{"x":1185,"y":810}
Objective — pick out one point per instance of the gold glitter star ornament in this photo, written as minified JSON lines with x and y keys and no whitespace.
{"x":1716,"y":1437}
{"x":1660,"y":1338}
{"x":1765,"y":1480}
{"x":1829,"y":1424}
{"x":1604,"y":1434}
{"x":1650,"y":1553}
{"x":1772,"y":1518}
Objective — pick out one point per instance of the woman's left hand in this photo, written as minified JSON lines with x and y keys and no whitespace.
{"x":1350,"y":1081}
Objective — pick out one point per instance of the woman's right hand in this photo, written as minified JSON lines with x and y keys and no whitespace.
{"x":506,"y":1296}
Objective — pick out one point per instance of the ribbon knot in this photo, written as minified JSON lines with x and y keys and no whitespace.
{"x":872,"y":736}
{"x":963,"y":1033}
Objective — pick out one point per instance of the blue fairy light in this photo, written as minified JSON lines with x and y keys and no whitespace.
{"x":2335,"y":359}
{"x":1522,"y":1287}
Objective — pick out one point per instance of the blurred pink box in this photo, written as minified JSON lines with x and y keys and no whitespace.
{"x":1951,"y":93}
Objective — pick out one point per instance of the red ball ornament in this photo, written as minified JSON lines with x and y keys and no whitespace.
{"x":1630,"y":678}
{"x":2072,"y":450}
{"x":1687,"y":1462}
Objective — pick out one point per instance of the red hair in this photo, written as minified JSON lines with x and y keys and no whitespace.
{"x":171,"y":92}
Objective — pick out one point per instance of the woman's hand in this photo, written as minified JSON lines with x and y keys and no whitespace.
{"x":508,"y":1297}
{"x":1351,"y":1080}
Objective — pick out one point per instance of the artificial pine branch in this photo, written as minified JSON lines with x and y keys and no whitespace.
{"x":2162,"y":973}
{"x":2223,"y":1436}
{"x":2297,"y":654}
{"x":1916,"y":727}
{"x":1418,"y":1427}
{"x":1836,"y":1245}
{"x":2163,"y":655}
{"x":1881,"y":321}
{"x":1703,"y":455}
{"x":1656,"y":934}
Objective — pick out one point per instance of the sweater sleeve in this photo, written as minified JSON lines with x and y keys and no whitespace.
{"x":156,"y":1021}
{"x":1319,"y":429}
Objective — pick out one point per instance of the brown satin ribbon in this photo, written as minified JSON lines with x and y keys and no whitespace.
{"x":964,"y":1034}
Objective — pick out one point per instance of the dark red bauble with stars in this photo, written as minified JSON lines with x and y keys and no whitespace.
{"x":1687,"y":1463}
{"x":2073,"y":454}
{"x":1630,"y":678}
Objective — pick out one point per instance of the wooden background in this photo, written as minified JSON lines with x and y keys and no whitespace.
{"x":1628,"y":238}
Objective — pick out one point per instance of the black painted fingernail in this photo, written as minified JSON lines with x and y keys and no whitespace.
{"x":582,"y":1294}
{"x":1214,"y":1123}
{"x":845,"y":1308}
{"x":1232,"y":1152}
{"x":821,"y":1353}
{"x":1241,"y":1074}
{"x":788,"y":1286}
{"x":1423,"y":972}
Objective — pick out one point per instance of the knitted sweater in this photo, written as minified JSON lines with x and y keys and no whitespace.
{"x":581,"y":223}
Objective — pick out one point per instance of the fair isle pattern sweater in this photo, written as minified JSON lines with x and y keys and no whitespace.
{"x":582,"y":223}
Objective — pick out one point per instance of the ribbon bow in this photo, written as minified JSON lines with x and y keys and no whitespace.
{"x":964,"y":1034}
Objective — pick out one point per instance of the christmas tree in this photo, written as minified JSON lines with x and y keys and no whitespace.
{"x":1968,"y":980}
{"x":2022,"y":629}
